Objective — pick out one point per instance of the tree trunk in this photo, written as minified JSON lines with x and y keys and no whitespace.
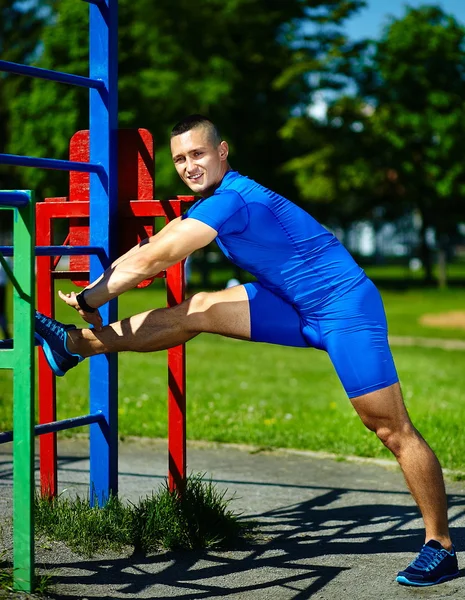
{"x":442,"y":269}
{"x":443,"y":248}
{"x":426,"y":253}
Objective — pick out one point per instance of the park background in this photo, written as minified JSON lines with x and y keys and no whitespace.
{"x":362,"y":125}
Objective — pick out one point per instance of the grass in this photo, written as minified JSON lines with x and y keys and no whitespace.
{"x":198,"y":519}
{"x":280,"y":397}
{"x":42,"y":582}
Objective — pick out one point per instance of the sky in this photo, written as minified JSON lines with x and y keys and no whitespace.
{"x":369,"y":21}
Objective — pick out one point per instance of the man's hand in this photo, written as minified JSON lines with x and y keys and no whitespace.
{"x":93,"y":318}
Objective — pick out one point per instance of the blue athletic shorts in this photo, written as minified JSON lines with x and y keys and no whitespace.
{"x":352,"y":329}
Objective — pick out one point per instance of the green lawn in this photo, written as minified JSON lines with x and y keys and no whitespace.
{"x":275,"y":396}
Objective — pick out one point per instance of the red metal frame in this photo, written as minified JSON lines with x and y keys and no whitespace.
{"x":136,"y":213}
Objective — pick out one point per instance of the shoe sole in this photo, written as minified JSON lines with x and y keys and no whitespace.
{"x":49,"y":355}
{"x":404,"y":581}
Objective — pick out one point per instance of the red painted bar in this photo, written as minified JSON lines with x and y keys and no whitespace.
{"x":47,"y":380}
{"x":177,"y":459}
{"x":137,"y":181}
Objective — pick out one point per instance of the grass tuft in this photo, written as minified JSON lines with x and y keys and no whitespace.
{"x":85,"y":529}
{"x":42,"y":583}
{"x":199,"y":518}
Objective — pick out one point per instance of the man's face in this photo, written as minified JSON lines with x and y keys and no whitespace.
{"x":198,"y":162}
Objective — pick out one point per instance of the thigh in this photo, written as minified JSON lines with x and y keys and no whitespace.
{"x":272,"y":319}
{"x":356,"y":339}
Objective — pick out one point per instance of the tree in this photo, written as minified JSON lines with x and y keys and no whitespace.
{"x":20,"y":30}
{"x":420,"y":114}
{"x":226,"y":58}
{"x":396,"y":141}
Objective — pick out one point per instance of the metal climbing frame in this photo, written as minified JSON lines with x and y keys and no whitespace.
{"x":21,"y":360}
{"x":102,"y":166}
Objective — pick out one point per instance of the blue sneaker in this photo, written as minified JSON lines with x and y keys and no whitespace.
{"x":51,"y":335}
{"x":433,"y":565}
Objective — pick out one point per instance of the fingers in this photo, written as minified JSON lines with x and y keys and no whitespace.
{"x":70,"y":299}
{"x":94,"y":318}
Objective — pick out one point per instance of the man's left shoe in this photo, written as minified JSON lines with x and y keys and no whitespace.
{"x":434,"y":564}
{"x":52,"y":336}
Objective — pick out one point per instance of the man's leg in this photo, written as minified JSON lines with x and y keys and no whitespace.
{"x":384,"y":412}
{"x":225,"y":312}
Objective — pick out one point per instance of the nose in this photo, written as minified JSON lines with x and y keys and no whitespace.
{"x":189,"y":164}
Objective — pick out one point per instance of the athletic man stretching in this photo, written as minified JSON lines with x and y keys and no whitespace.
{"x":309,"y":292}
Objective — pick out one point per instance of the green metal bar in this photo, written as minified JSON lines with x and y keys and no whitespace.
{"x":7,"y":358}
{"x":21,"y":360}
{"x":12,"y":278}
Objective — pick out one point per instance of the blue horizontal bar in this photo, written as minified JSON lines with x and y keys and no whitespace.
{"x":14,"y":199}
{"x":7,"y":436}
{"x":58,"y":250}
{"x":50,"y":163}
{"x":11,"y":67}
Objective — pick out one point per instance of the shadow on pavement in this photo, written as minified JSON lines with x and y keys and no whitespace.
{"x":294,"y":543}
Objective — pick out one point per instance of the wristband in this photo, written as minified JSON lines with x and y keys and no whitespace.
{"x":83,"y":304}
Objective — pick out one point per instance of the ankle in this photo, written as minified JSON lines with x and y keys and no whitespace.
{"x":445,"y":541}
{"x":72,"y":341}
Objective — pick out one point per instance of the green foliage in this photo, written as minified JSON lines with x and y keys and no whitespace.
{"x":230,"y":59}
{"x":20,"y":31}
{"x":394,"y":138}
{"x":197,"y":519}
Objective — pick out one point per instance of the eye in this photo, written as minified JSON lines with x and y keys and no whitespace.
{"x":198,"y":153}
{"x":178,"y":160}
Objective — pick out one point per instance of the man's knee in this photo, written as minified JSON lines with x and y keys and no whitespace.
{"x":199,"y":314}
{"x":391,"y":432}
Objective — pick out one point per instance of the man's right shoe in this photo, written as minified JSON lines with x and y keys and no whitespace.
{"x":52,"y":336}
{"x":433,"y":565}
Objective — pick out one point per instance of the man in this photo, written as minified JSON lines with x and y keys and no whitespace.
{"x":309,"y":293}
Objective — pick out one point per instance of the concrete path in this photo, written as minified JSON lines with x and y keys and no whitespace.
{"x":329,"y":529}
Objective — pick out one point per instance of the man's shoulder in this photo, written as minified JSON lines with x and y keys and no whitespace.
{"x":236,"y":183}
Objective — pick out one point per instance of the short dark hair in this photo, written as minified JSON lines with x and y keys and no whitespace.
{"x":193,"y":121}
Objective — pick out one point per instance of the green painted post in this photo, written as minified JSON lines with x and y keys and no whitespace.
{"x":23,"y":395}
{"x":21,"y":360}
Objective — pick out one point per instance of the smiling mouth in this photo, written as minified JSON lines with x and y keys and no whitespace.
{"x":195,"y":177}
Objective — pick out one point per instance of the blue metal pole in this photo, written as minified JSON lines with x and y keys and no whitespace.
{"x":71,"y":423}
{"x":103,"y":32}
{"x":57,"y":250}
{"x":11,"y":67}
{"x":50,"y":163}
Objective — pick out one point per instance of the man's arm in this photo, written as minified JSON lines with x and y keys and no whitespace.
{"x":163,"y":250}
{"x":136,"y":248}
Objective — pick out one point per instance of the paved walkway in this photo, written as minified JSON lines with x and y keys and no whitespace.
{"x":329,"y":529}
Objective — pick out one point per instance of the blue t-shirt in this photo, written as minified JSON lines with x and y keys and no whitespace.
{"x":285,"y":248}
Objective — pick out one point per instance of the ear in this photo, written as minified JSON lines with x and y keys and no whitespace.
{"x":223,"y":150}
